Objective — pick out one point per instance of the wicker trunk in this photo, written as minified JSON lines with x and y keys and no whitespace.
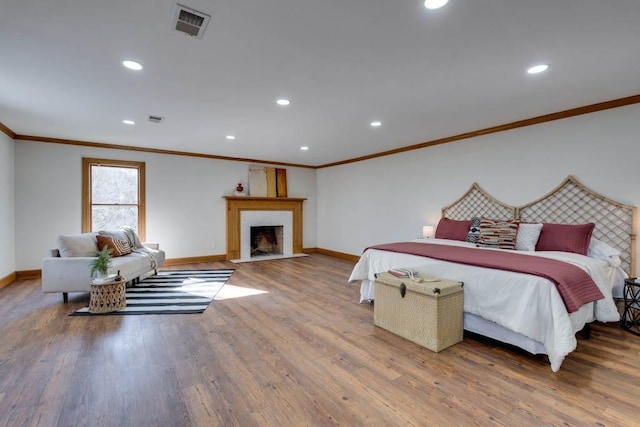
{"x":429,"y":313}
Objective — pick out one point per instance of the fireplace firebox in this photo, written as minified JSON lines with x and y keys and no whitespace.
{"x":266,"y":240}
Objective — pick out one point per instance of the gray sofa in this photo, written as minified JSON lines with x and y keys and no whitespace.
{"x":68,"y":268}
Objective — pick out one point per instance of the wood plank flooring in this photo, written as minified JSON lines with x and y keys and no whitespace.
{"x":285,"y":344}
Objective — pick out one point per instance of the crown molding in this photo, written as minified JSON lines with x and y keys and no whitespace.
{"x":33,"y":138}
{"x":11,"y":134}
{"x":601,"y":106}
{"x":615,"y":103}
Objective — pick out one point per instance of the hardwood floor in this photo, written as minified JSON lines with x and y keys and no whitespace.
{"x":286,"y":344}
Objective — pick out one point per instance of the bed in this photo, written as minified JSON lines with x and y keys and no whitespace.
{"x":518,"y":308}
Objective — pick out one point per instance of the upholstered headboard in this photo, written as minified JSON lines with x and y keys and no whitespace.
{"x":569,"y":203}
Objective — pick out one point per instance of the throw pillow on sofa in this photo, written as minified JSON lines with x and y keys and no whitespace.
{"x":118,"y":246}
{"x":77,"y":245}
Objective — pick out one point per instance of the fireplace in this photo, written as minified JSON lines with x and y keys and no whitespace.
{"x":260,"y":225}
{"x":244,"y":213}
{"x":266,"y":240}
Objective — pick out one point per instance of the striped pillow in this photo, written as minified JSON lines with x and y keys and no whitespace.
{"x":498,"y":233}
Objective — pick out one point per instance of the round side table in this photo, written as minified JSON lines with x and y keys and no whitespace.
{"x":631,"y":314}
{"x":107,"y":297}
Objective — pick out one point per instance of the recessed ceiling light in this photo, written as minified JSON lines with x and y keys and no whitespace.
{"x":538,"y":69}
{"x":231,"y":137}
{"x":128,"y":122}
{"x":283,"y":101}
{"x":132,"y":65}
{"x":435,"y":4}
{"x":376,"y":123}
{"x":304,"y":148}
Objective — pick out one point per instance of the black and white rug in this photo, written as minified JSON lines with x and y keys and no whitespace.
{"x":172,"y":292}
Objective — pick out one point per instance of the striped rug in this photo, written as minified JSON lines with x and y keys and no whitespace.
{"x":172,"y":292}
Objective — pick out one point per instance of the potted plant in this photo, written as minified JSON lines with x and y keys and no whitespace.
{"x":100,"y":265}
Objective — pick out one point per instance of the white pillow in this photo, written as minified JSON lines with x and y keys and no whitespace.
{"x":527,"y":237}
{"x":618,"y":284}
{"x":73,"y":245}
{"x":600,"y":250}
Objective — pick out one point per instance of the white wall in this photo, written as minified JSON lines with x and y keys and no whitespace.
{"x":349,"y":207}
{"x":186,"y":213}
{"x":7,"y":218}
{"x":389,"y":199}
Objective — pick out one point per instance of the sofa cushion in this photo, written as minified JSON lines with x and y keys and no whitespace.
{"x":130,"y":266}
{"x":118,"y":246}
{"x":77,"y":245}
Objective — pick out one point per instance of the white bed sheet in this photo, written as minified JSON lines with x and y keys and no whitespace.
{"x":526,"y":304}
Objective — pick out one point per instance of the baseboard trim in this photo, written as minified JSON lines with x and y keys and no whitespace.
{"x":8,"y":279}
{"x":335,"y":254}
{"x":28,"y":274}
{"x":37,"y":274}
{"x":195,"y":259}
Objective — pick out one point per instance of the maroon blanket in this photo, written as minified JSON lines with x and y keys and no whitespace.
{"x":574,"y":285}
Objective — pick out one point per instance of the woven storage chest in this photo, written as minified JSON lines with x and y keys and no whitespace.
{"x":429,"y":314}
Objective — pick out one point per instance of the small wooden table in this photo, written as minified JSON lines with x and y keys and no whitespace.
{"x":107,"y":297}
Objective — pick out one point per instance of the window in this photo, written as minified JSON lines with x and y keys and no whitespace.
{"x":113,"y":195}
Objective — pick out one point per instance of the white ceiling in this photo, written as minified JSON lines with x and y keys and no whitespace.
{"x":426,"y":74}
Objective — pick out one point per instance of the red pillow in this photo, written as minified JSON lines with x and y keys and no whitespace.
{"x":565,"y":237}
{"x":453,"y":229}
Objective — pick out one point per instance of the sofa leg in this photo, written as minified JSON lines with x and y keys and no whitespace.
{"x":65,"y":297}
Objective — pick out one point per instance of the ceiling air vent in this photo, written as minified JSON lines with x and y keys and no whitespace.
{"x":189,"y":21}
{"x":156,"y":119}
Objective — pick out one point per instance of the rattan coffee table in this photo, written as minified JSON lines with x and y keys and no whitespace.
{"x":107,"y":297}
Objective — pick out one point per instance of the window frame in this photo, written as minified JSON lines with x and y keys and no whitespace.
{"x":87,"y":163}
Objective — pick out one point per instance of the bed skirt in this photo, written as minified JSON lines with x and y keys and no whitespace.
{"x":476,"y":325}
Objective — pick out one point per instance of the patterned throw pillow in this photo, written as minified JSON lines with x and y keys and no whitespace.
{"x":116,"y":240}
{"x":498,"y":233}
{"x":474,"y":232}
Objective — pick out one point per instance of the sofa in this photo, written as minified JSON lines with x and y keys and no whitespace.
{"x":68,"y":268}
